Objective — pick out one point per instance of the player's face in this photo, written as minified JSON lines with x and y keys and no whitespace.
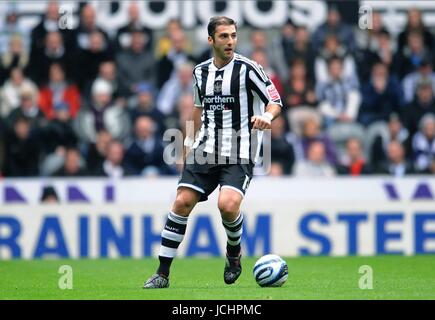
{"x":224,"y":42}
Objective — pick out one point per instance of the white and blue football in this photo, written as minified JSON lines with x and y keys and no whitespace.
{"x":270,"y":271}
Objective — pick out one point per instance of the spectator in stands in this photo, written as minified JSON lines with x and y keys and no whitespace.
{"x":164,"y":44}
{"x":144,"y":155}
{"x":354,"y":163}
{"x":282,"y":152}
{"x":49,"y":195}
{"x":102,"y":114}
{"x":411,"y":56}
{"x":11,"y":28}
{"x":22,"y":150}
{"x":396,"y":132}
{"x":114,"y":166}
{"x":299,"y":90}
{"x":135,"y":64}
{"x":143,"y":104}
{"x":87,"y":28}
{"x":182,"y":114}
{"x":48,"y":24}
{"x":176,"y":56}
{"x":396,"y":165}
{"x":386,"y":49}
{"x":423,"y":103}
{"x":315,"y":165}
{"x":368,"y":39}
{"x":261,"y":58}
{"x":107,"y":71}
{"x":311,"y":132}
{"x":73,"y":165}
{"x":124,"y":34}
{"x":15,"y":56}
{"x":409,"y":83}
{"x":59,"y":131}
{"x":382,"y":52}
{"x":259,"y":42}
{"x":175,"y":87}
{"x":423,"y":144}
{"x":204,"y":54}
{"x":415,"y":23}
{"x":10,"y":92}
{"x":59,"y":92}
{"x":276,"y":169}
{"x":97,"y":152}
{"x":54,"y":52}
{"x":301,"y":49}
{"x":28,"y":108}
{"x":339,"y":97}
{"x":335,"y":26}
{"x":285,"y":40}
{"x":381,"y":96}
{"x":333,"y":48}
{"x":95,"y":54}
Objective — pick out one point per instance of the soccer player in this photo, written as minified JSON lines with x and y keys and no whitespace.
{"x":234,"y":102}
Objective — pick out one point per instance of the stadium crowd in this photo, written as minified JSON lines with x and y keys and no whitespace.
{"x":82,"y":103}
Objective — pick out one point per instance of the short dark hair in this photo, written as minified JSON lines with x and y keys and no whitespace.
{"x":334,"y":58}
{"x":384,"y":32}
{"x":49,"y":191}
{"x":219,"y":21}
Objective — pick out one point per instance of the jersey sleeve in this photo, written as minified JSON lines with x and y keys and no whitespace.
{"x":197,"y":100}
{"x":263,"y":86}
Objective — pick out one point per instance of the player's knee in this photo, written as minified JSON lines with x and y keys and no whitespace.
{"x":183,"y":205}
{"x":229,"y":205}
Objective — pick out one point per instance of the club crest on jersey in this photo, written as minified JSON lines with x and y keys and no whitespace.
{"x":217,"y":87}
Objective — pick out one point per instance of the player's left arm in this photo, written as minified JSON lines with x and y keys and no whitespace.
{"x":267,"y":92}
{"x":264,"y":121}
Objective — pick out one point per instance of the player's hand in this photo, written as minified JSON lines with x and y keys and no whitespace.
{"x":262,"y":122}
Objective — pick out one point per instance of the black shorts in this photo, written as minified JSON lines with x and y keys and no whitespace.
{"x":205,"y":178}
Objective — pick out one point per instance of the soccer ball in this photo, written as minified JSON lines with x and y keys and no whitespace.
{"x":270,"y":271}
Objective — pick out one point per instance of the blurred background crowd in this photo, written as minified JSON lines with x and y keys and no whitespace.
{"x":83,"y":103}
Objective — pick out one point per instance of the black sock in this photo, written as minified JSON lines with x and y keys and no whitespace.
{"x":165,"y":265}
{"x":234,"y":233}
{"x":233,"y":251}
{"x":172,"y":235}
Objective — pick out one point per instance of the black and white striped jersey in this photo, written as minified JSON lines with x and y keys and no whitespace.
{"x":230,"y":96}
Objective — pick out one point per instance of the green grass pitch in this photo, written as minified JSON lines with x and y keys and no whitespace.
{"x":394,"y":277}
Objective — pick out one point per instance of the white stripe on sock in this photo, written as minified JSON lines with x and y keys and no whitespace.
{"x":235,"y":222}
{"x":233,"y":243}
{"x":177,"y":218}
{"x":167,"y":252}
{"x":172,"y":235}
{"x":234,"y":234}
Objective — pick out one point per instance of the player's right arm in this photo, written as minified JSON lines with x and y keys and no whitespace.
{"x":191,"y":134}
{"x":195,"y":118}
